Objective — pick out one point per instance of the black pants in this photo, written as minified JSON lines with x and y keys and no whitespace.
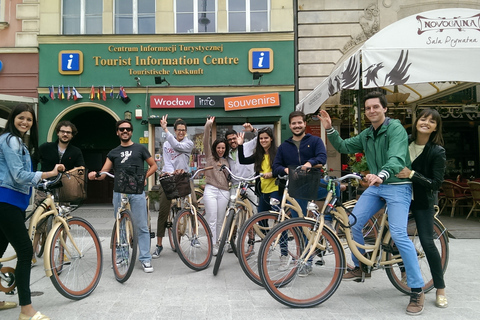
{"x":163,"y":213}
{"x":424,"y":221}
{"x":13,"y":231}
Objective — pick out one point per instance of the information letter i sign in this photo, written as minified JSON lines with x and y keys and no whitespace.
{"x":70,"y":62}
{"x":260,"y":60}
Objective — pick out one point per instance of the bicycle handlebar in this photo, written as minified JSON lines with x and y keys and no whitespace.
{"x":106,"y":173}
{"x":45,"y":183}
{"x":222,"y":167}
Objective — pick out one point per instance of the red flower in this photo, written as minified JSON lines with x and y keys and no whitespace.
{"x":358,"y":156}
{"x":344,"y":167}
{"x":330,"y":169}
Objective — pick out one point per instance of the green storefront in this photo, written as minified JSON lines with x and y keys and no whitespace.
{"x":235,"y":77}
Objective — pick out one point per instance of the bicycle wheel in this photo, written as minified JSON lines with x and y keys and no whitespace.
{"x":396,"y":273}
{"x":228,"y":225}
{"x":240,"y":217}
{"x":194,"y":246}
{"x":251,"y":234}
{"x":171,"y":218}
{"x":296,"y":281}
{"x":124,"y":248}
{"x":76,"y":274}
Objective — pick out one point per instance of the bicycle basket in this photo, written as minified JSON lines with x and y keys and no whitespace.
{"x":73,"y":186}
{"x":176,"y":186}
{"x":303,"y":184}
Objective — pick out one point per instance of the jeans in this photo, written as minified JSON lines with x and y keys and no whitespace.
{"x":138,"y":205}
{"x":424,"y":221}
{"x":398,"y":199}
{"x":13,"y":231}
{"x":216,"y":202}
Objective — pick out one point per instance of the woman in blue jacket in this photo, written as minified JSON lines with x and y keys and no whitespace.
{"x":428,"y":168}
{"x":16,"y":180}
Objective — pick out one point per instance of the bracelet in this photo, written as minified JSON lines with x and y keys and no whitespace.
{"x":411,"y":174}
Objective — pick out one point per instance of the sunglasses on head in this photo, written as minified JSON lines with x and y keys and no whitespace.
{"x":265,"y":130}
{"x":125,"y":129}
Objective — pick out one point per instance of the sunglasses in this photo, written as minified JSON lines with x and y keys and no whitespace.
{"x":265,"y":130}
{"x":125,"y":129}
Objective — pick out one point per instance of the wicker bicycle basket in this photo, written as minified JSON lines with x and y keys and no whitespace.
{"x":303,"y":184}
{"x":176,"y":186}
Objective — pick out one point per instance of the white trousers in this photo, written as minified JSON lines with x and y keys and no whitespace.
{"x":216,"y":202}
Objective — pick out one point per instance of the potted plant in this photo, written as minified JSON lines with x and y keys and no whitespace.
{"x":358,"y":163}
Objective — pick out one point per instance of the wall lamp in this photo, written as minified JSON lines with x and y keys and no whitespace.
{"x":127,"y":115}
{"x":138,"y":81}
{"x":160,"y":80}
{"x":257,"y":76}
{"x":43,"y":99}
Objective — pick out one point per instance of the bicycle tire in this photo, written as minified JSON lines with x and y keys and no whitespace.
{"x":284,"y":282}
{"x":171,"y":218}
{"x":440,"y":236}
{"x":252,"y":233}
{"x":223,"y":240}
{"x":124,"y":249}
{"x":193,"y":248}
{"x":74,"y":275}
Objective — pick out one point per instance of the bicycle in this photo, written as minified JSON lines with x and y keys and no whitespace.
{"x":124,"y":239}
{"x":238,"y":211}
{"x":73,"y":253}
{"x":256,"y":227}
{"x":191,"y":233}
{"x":317,"y":259}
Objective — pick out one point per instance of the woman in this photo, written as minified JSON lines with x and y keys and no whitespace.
{"x":216,"y":194}
{"x":428,"y":167}
{"x":16,"y":180}
{"x":262,"y":158}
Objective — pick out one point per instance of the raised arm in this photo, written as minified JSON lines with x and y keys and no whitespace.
{"x":207,"y":141}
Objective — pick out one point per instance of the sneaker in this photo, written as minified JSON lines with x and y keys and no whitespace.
{"x":215,"y":249}
{"x":229,"y":248}
{"x":417,"y":300}
{"x":283,"y":263}
{"x":355,"y":275}
{"x":156,"y":253}
{"x":147,"y":266}
{"x":305,"y":270}
{"x":120,"y":262}
{"x":195,"y":243}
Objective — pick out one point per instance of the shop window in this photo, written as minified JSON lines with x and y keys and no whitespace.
{"x":82,"y":16}
{"x":134,"y":16}
{"x":195,"y":16}
{"x":248,"y":15}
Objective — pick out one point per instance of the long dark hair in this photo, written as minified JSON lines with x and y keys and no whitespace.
{"x":436,"y":136}
{"x":214,"y":149}
{"x":32,"y":143}
{"x":260,"y":151}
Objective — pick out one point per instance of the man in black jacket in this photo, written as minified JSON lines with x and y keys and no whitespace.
{"x":61,"y":151}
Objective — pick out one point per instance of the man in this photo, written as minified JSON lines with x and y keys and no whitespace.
{"x":176,"y":158}
{"x":302,"y":149}
{"x":127,"y":160}
{"x":61,"y":151}
{"x":385,"y":144}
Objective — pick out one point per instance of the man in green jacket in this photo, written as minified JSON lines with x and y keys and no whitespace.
{"x":385,"y":144}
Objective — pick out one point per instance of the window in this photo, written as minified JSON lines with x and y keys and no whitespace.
{"x":248,"y":15}
{"x":135,"y":16}
{"x":82,"y":16}
{"x":195,"y":16}
{"x":2,"y":10}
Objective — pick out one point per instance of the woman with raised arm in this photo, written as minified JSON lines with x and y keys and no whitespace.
{"x":216,"y":194}
{"x":16,"y":180}
{"x":428,"y":168}
{"x":262,"y":158}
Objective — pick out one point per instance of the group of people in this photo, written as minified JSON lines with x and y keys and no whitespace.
{"x":396,"y":162}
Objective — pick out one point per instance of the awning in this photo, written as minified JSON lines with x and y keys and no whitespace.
{"x":425,"y":55}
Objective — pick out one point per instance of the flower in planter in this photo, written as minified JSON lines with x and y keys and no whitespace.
{"x":358,"y":162}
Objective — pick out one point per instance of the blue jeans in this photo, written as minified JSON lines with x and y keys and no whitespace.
{"x":264,"y":200}
{"x":398,"y":199}
{"x":138,"y":205}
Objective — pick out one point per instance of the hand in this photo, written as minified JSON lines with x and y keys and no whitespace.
{"x":267,"y":175}
{"x":373,"y":180}
{"x":179,"y":171}
{"x":405,"y":173}
{"x":306,"y":165}
{"x":92,"y":175}
{"x":247,"y":127}
{"x":163,"y":122}
{"x":58,"y":168}
{"x":325,"y":118}
{"x":240,"y":138}
{"x":210,"y":120}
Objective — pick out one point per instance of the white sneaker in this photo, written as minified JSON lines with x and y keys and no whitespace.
{"x":215,"y":249}
{"x":147,"y":266}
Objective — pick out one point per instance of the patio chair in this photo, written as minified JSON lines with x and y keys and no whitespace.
{"x":454,"y":193}
{"x":475,"y":191}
